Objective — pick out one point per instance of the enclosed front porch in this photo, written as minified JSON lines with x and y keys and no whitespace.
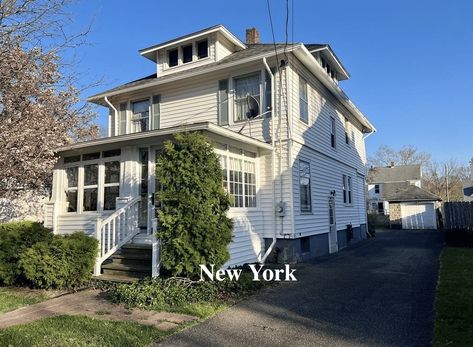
{"x":107,"y":188}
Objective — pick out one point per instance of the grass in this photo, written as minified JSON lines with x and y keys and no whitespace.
{"x":13,"y":298}
{"x":454,"y":302}
{"x":77,"y":331}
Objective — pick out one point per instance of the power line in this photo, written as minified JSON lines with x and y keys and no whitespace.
{"x":286,"y":31}
{"x":272,"y":31}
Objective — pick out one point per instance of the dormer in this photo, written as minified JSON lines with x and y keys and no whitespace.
{"x":328,"y":61}
{"x":199,"y":48}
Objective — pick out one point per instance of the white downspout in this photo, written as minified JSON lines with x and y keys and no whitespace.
{"x":273,"y":159}
{"x":116,"y":117}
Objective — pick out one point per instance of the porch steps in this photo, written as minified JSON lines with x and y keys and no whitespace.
{"x":132,"y":262}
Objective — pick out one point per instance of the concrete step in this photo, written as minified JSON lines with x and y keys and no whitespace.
{"x":127,"y":268}
{"x":125,"y":273}
{"x":128,"y":261}
{"x":118,"y":278}
{"x":145,"y":256}
{"x":136,"y":246}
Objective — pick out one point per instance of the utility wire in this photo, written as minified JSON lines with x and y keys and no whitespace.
{"x":272,"y":31}
{"x":286,"y":31}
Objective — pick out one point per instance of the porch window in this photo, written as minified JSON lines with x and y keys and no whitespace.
{"x":304,"y":186}
{"x":91,"y":175}
{"x":111,"y":185}
{"x":92,"y":183}
{"x":140,"y":118}
{"x":239,"y":177}
{"x":72,"y":177}
{"x":244,"y":86}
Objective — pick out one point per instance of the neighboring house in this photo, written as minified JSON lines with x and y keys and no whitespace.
{"x":290,"y":141}
{"x":468,"y":185}
{"x":396,"y":191}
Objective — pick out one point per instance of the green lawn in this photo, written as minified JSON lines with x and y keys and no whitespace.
{"x":13,"y":298}
{"x":454,"y":303}
{"x":75,"y":331}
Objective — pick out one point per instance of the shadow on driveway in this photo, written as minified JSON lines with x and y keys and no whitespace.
{"x":378,"y":293}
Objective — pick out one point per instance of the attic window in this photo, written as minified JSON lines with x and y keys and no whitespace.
{"x":202,"y":49}
{"x":187,"y":54}
{"x":173,"y":57}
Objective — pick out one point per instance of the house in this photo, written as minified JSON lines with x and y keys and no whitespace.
{"x":396,"y":192}
{"x":291,"y":145}
{"x":468,"y":185}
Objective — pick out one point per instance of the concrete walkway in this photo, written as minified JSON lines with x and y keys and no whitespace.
{"x":379,"y":293}
{"x":91,"y":303}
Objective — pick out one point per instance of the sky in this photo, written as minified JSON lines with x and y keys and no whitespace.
{"x":411,"y":62}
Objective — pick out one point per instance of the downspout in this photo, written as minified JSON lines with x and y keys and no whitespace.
{"x":273,"y":159}
{"x":116,"y":116}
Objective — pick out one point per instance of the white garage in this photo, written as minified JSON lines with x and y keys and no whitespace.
{"x":418,"y":215}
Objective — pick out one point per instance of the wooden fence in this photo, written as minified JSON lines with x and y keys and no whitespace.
{"x":458,"y":215}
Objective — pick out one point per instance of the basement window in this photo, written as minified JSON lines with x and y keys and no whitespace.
{"x":305,"y":244}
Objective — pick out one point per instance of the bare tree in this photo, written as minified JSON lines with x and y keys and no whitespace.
{"x":407,"y":155}
{"x":39,"y":104}
{"x":445,"y":179}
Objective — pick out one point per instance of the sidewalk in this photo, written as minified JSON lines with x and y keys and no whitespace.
{"x":91,"y":303}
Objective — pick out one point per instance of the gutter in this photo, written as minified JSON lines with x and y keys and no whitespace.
{"x":273,"y":159}
{"x":116,"y":116}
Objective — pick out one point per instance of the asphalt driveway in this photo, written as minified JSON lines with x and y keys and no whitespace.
{"x":378,"y":293}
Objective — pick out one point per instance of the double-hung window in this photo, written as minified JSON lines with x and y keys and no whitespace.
{"x":303,"y":101}
{"x":239,"y":177}
{"x":244,"y":87}
{"x":72,"y":178}
{"x":91,"y":182}
{"x":111,"y":184}
{"x":333,"y":129}
{"x":140,"y":116}
{"x":347,"y":190}
{"x":347,"y":129}
{"x":304,"y":186}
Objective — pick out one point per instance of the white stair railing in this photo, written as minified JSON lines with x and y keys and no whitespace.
{"x":115,"y":230}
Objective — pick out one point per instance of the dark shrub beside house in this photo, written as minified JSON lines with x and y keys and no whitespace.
{"x":65,"y":262}
{"x":15,"y":238}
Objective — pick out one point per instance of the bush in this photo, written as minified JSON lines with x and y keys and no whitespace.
{"x":65,"y":262}
{"x":177,"y":292}
{"x":194,"y":228}
{"x":15,"y":238}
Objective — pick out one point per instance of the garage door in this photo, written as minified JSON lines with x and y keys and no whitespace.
{"x":418,"y":216}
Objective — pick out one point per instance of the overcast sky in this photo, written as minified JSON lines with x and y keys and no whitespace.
{"x":411,"y":62}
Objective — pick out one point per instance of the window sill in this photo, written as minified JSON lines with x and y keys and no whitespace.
{"x":306,"y":213}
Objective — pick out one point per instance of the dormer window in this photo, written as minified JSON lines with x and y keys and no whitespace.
{"x":173,"y":57}
{"x":187,"y":54}
{"x":202,"y":49}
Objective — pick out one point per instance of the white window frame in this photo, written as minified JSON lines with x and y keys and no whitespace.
{"x":132,"y":115}
{"x":333,"y":132}
{"x":347,"y":131}
{"x":308,"y":210}
{"x":100,"y":183}
{"x":302,"y":100}
{"x":233,"y":86}
{"x":347,"y":190}
{"x":226,"y":154}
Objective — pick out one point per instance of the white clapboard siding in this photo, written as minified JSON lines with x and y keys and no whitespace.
{"x":326,"y":175}
{"x":247,"y":245}
{"x":69,"y":223}
{"x":316,"y":134}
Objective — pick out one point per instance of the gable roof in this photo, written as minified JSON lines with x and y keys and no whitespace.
{"x":403,"y":191}
{"x":399,"y":173}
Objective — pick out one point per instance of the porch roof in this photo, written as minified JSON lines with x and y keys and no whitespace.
{"x":142,"y":137}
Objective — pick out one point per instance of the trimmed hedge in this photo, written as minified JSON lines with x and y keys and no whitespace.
{"x":30,"y":254}
{"x":15,"y":238}
{"x":66,"y":262}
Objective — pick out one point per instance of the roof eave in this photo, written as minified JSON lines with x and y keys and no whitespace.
{"x":308,"y":59}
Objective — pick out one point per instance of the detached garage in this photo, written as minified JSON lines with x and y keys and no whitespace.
{"x":411,"y":207}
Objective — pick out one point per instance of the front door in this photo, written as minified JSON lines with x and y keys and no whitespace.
{"x":333,"y":239}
